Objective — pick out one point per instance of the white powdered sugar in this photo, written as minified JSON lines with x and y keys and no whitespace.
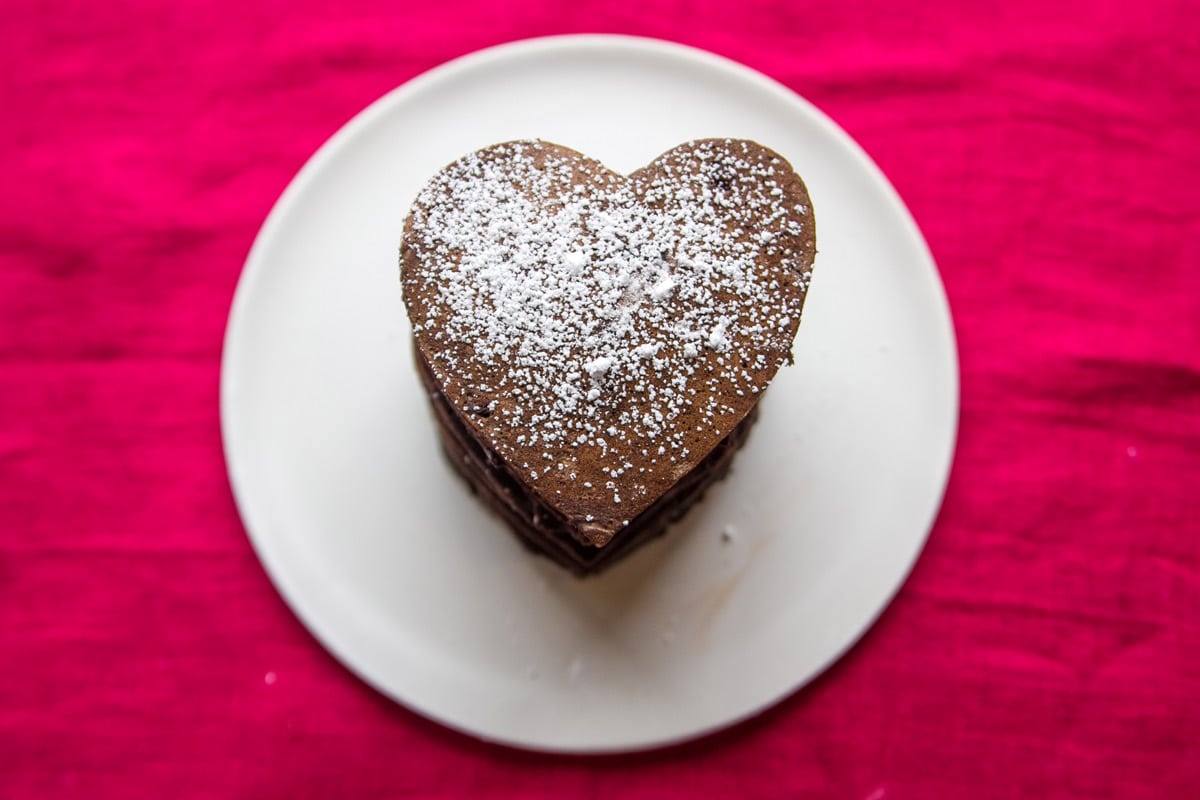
{"x":588,"y":310}
{"x":597,"y":368}
{"x":662,"y":289}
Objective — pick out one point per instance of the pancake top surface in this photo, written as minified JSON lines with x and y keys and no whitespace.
{"x":601,"y":332}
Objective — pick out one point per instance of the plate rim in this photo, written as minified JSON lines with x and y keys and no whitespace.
{"x":254,"y":267}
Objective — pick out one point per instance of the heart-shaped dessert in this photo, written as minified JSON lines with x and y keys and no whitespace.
{"x":595,"y":344}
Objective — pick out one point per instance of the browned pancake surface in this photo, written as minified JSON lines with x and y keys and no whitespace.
{"x":604,"y":333}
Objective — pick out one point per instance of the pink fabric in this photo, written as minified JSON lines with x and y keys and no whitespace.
{"x":1048,"y":643}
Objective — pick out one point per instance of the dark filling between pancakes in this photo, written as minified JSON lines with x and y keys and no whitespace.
{"x":541,"y":528}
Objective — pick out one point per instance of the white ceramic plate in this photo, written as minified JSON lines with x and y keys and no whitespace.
{"x":395,"y":567}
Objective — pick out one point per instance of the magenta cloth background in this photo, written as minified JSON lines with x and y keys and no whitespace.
{"x":1048,"y":643}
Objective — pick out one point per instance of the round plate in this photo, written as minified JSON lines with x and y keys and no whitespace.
{"x":402,"y":574}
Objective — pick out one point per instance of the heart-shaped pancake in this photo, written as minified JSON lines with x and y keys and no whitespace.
{"x":596,"y":338}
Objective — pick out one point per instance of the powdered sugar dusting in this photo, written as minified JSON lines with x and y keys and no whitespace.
{"x":596,"y":314}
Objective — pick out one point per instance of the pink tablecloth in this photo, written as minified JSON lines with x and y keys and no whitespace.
{"x":1048,"y":643}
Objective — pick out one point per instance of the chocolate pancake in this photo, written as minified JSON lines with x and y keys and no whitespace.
{"x":595,"y":345}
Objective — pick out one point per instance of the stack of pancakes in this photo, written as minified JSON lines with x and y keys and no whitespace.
{"x":595,"y":345}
